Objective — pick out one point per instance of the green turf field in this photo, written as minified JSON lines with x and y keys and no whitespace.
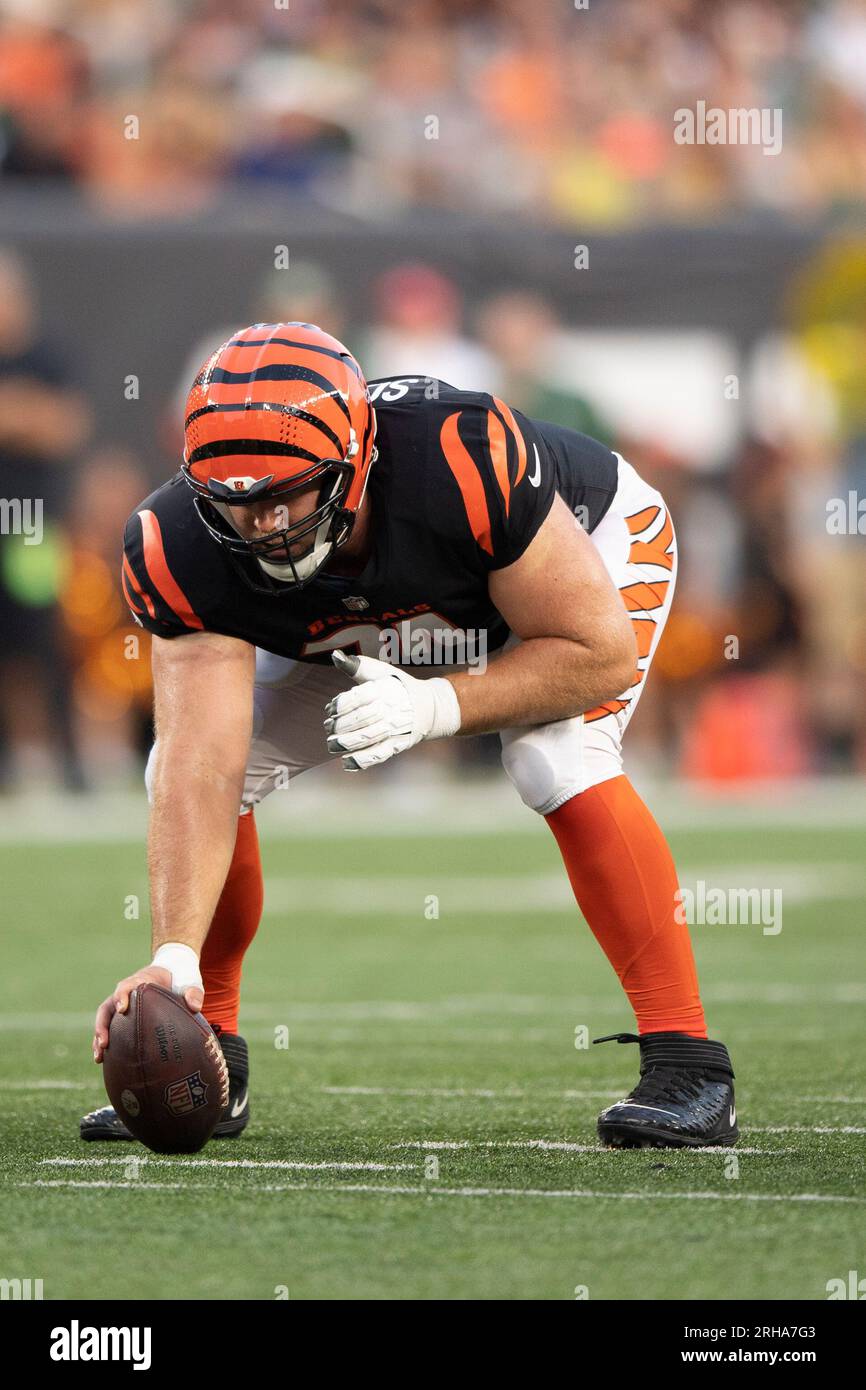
{"x":409,"y":1033}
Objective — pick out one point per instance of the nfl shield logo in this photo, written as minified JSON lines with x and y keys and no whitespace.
{"x":356,"y":603}
{"x":187,"y":1094}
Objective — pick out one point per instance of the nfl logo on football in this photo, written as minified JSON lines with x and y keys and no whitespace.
{"x":187,"y":1094}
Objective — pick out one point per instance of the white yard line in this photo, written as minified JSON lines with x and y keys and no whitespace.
{"x":550,"y":1008}
{"x":566,"y":1146}
{"x":505,"y":894}
{"x":833,"y":1100}
{"x":43,"y":1084}
{"x":321,"y":806}
{"x":804,"y":1129}
{"x":459,"y":1093}
{"x":444,"y":1093}
{"x":131,"y":1186}
{"x":433,"y":1190}
{"x":182,"y":1161}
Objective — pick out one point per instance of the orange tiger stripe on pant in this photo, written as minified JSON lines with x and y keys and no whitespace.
{"x":643,"y":596}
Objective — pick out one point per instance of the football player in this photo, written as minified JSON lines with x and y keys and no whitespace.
{"x":314,"y":514}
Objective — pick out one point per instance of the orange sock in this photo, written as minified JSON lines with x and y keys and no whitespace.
{"x":625,"y":882}
{"x":232,"y":929}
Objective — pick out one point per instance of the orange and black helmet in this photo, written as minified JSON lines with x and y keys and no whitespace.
{"x":278,"y":408}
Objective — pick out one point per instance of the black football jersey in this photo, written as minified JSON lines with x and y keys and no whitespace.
{"x":460,"y":487}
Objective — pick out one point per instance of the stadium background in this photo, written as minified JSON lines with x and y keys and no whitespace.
{"x":714,"y":330}
{"x":489,"y":192}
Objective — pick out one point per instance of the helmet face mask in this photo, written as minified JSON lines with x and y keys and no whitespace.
{"x":277,"y":410}
{"x":328,"y":525}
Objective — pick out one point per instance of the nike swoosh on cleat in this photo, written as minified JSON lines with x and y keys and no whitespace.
{"x":535,"y":476}
{"x":732,"y":1116}
{"x":238,"y":1107}
{"x":630,"y":1105}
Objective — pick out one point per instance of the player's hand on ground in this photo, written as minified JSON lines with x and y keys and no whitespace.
{"x":387,"y":712}
{"x":118,"y":1001}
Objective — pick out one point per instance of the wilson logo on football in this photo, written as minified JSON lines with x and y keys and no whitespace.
{"x":185,"y":1095}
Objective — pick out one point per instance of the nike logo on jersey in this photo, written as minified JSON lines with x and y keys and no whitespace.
{"x":535,"y":476}
{"x":239,"y":1105}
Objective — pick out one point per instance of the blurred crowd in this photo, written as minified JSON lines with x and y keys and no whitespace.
{"x":560,"y":110}
{"x":760,"y":673}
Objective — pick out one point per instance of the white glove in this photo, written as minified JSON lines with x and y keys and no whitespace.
{"x":387,"y":712}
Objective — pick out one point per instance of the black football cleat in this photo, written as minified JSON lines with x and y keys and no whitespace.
{"x":105,"y":1123}
{"x":684,"y":1098}
{"x":236,"y":1115}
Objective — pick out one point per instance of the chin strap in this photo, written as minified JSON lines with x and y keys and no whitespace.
{"x":321,"y":550}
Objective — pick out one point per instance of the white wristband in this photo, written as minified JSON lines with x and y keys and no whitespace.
{"x":446,"y":708}
{"x":182,"y":964}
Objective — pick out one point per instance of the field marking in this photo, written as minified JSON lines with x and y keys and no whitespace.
{"x":566,"y":1146}
{"x":182,"y":1161}
{"x":804,"y":1129}
{"x":43,"y":1084}
{"x":432,"y":807}
{"x":464,"y":1093}
{"x":480,"y":894}
{"x":103,"y":1183}
{"x":432,"y":1190}
{"x":733,"y":992}
{"x":452,"y":1006}
{"x":833,"y":1100}
{"x":459,"y":1093}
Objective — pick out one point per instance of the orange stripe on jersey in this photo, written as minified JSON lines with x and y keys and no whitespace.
{"x":518,"y":435}
{"x":130,"y":582}
{"x":658,"y":551}
{"x":161,"y":576}
{"x":468,"y":479}
{"x":499,"y":455}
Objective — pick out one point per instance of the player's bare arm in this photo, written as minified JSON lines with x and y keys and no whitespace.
{"x":578,"y":646}
{"x":577,"y":650}
{"x":202,"y":745}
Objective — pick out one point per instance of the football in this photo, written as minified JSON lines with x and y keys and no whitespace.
{"x":164,"y":1072}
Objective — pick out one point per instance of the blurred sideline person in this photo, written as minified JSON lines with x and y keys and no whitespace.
{"x":418,"y":329}
{"x":43,"y":423}
{"x":315,"y":520}
{"x":522,"y":331}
